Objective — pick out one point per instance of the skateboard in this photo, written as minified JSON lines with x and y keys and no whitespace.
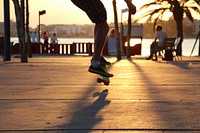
{"x":104,"y":80}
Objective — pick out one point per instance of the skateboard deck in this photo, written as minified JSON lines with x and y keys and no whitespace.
{"x":104,"y":80}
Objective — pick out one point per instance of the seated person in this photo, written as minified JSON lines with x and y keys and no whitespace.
{"x":158,"y":42}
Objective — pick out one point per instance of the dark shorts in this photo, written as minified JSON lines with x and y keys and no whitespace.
{"x":93,"y":8}
{"x":155,"y":46}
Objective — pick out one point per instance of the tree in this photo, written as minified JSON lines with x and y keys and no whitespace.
{"x":178,"y":10}
{"x":27,"y":30}
{"x":19,"y":11}
{"x":117,"y":31}
{"x":128,"y":54}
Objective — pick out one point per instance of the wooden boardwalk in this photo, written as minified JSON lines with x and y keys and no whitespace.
{"x":56,"y":94}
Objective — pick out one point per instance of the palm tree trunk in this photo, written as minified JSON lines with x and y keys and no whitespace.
{"x":27,"y":30}
{"x":20,"y":31}
{"x":179,"y":26}
{"x":178,"y":16}
{"x":128,"y":36}
{"x":117,"y":31}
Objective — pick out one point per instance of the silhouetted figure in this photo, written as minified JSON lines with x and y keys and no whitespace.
{"x":158,"y":42}
{"x":46,"y":38}
{"x":97,"y":14}
{"x":54,"y":39}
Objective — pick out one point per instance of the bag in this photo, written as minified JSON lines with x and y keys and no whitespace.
{"x":169,"y":55}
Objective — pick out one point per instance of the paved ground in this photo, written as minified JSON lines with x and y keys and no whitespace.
{"x":57,"y":95}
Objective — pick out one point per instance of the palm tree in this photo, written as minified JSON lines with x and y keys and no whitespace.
{"x":178,"y":8}
{"x":128,"y":54}
{"x":19,"y":9}
{"x":27,"y":30}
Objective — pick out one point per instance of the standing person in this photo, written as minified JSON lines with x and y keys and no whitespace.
{"x":54,"y":39}
{"x":158,"y":42}
{"x":46,"y":38}
{"x":98,"y":15}
{"x":112,"y":43}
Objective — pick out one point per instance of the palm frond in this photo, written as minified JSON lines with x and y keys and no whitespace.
{"x":150,"y":15}
{"x":188,"y":14}
{"x":191,"y":2}
{"x":148,"y":5}
{"x":194,"y":8}
{"x":159,"y":17}
{"x":197,"y":1}
{"x":163,"y":11}
{"x":162,"y":6}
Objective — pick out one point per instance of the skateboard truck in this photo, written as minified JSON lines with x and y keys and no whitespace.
{"x":105,"y":80}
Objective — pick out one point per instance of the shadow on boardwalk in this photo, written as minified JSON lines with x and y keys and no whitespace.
{"x":85,"y":118}
{"x":55,"y":94}
{"x":175,"y":114}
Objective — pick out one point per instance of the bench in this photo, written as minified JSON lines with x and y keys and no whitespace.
{"x":171,"y":48}
{"x":167,"y":50}
{"x":169,"y":44}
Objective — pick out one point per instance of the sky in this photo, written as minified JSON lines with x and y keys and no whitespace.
{"x":65,"y":12}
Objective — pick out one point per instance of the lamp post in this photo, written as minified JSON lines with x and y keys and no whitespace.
{"x":40,"y":13}
{"x":123,"y":11}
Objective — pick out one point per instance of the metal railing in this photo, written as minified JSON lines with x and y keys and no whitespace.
{"x":68,"y":49}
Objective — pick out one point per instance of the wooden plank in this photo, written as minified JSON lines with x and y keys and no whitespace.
{"x":59,"y":94}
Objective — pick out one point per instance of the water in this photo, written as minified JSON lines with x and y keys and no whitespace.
{"x":186,"y":47}
{"x":187,"y":44}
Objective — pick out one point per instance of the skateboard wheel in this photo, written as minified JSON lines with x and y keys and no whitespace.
{"x":99,"y":80}
{"x":106,"y":83}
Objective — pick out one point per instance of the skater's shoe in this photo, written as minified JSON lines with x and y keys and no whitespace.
{"x":156,"y":59}
{"x":99,"y":70}
{"x":148,"y":58}
{"x":103,"y":61}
